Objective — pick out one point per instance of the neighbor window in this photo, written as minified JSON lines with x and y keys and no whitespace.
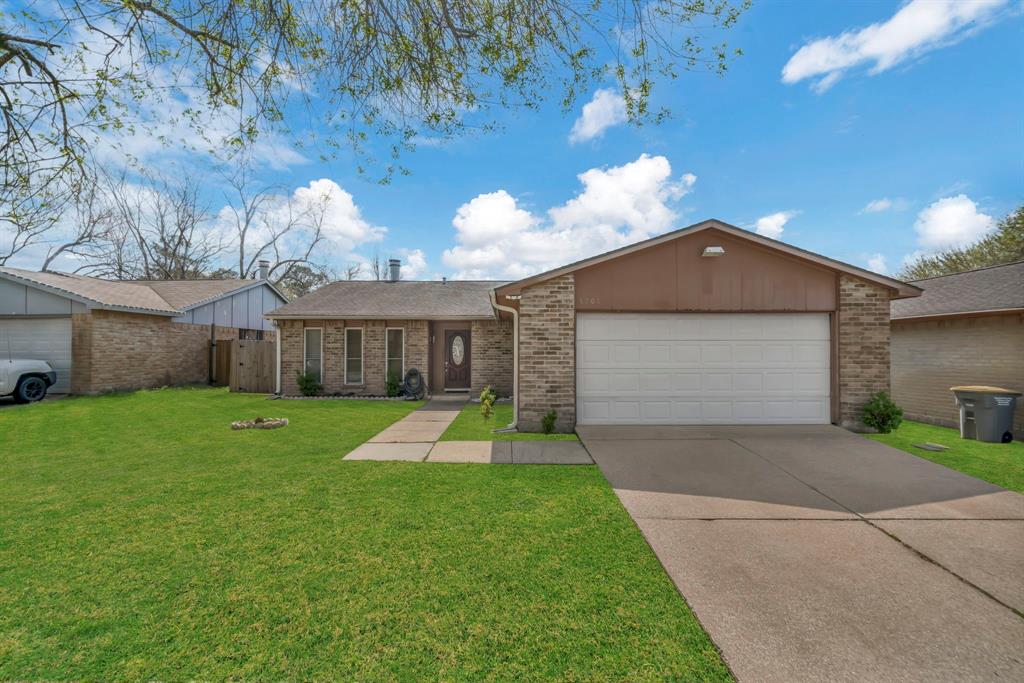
{"x":354,"y":355}
{"x":314,"y":353}
{"x":250,"y":335}
{"x":396,"y":353}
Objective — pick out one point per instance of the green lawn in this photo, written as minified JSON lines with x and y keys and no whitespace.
{"x":471,"y":426}
{"x":140,"y":538}
{"x":1001,"y":464}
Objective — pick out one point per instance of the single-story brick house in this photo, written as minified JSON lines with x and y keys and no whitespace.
{"x":108,"y":335}
{"x":710,"y":324}
{"x":966,"y":328}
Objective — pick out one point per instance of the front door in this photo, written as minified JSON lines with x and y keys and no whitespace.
{"x":456,"y":359}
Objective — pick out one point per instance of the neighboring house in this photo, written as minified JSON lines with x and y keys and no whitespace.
{"x":106,"y":335}
{"x":966,"y":328}
{"x":710,"y":324}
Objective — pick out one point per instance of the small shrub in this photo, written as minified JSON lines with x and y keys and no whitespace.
{"x":881,"y":414}
{"x":308,"y":386}
{"x":487,"y":399}
{"x":394,"y":385}
{"x":547,"y":423}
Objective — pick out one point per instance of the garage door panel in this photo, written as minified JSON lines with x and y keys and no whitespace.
{"x":703,"y":368}
{"x":47,"y":339}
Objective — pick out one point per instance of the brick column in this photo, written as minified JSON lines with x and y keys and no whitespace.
{"x":492,"y":356}
{"x":863,"y":346}
{"x":547,"y":354}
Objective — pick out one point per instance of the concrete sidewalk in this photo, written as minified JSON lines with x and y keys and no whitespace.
{"x":414,"y":438}
{"x":811,"y":554}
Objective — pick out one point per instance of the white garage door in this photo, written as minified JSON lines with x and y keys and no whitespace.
{"x":46,"y":339}
{"x":702,"y":368}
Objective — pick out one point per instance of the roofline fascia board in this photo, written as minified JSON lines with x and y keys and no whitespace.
{"x":903,"y":289}
{"x":87,"y":301}
{"x":958,"y":314}
{"x":314,"y":316}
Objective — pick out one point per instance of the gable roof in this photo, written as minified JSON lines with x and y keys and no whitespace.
{"x":409,"y":299}
{"x":169,"y":298}
{"x":901,"y":289}
{"x":985,"y":290}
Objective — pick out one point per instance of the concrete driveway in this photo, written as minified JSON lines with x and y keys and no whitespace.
{"x":810,"y":553}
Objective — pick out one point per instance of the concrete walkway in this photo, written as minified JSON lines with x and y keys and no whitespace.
{"x":810,"y":554}
{"x":414,"y":438}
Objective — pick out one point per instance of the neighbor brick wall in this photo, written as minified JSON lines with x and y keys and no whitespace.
{"x":930,"y":356}
{"x":374,"y":381}
{"x":547,"y":353}
{"x":114,"y":351}
{"x":492,"y":356}
{"x":863,"y":346}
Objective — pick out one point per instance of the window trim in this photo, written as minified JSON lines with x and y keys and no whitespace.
{"x":362,"y":358}
{"x":387,"y":354}
{"x":305,"y":351}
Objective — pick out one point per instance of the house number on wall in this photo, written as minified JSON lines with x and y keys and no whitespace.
{"x":590,"y":300}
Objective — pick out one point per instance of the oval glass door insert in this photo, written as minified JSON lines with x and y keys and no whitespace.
{"x":458,"y":350}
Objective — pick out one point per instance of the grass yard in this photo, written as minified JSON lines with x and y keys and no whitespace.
{"x":140,"y":538}
{"x":998,"y":463}
{"x":471,"y":426}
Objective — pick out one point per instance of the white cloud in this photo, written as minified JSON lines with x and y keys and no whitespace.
{"x":414,"y":263}
{"x":877,"y":264}
{"x":951,"y":222}
{"x":343,"y":224}
{"x":605,"y":109}
{"x":496,"y":237}
{"x":772,"y":225}
{"x":918,"y":27}
{"x":877,"y":205}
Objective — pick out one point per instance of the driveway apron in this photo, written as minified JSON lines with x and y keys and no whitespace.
{"x":810,"y":553}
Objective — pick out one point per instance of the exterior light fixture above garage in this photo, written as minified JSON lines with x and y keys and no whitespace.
{"x":714,"y":251}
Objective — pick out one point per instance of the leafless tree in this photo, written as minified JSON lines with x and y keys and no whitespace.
{"x":353,"y":271}
{"x":159,"y":230}
{"x":92,"y":221}
{"x":268,"y":223}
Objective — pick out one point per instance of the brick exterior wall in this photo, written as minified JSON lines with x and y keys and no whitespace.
{"x":930,"y":356}
{"x":547,"y":354}
{"x":863,"y":346}
{"x":116,"y":351}
{"x":417,"y":344}
{"x":492,"y":356}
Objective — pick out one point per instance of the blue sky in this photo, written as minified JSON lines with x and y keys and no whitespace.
{"x":924,"y":119}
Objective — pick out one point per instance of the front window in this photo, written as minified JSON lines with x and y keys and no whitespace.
{"x":396,"y":354}
{"x":314,"y":353}
{"x":353,"y":355}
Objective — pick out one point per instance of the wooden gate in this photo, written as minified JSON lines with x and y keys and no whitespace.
{"x":246,"y":366}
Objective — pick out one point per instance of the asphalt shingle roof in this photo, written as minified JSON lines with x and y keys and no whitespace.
{"x":403,"y":299}
{"x":165,"y":297}
{"x":986,"y":289}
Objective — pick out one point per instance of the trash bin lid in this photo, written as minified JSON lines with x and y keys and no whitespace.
{"x":981,"y":389}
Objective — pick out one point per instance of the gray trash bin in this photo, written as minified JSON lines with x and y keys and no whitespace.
{"x":986,"y":413}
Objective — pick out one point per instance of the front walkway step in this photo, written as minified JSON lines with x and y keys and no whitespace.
{"x":411,"y":432}
{"x":410,"y":452}
{"x":498,"y":452}
{"x":550,"y":453}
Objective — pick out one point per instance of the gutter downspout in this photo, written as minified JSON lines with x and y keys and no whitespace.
{"x":514,"y":425}
{"x":277,"y":379}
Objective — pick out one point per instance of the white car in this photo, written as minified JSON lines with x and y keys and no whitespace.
{"x":26,"y":380}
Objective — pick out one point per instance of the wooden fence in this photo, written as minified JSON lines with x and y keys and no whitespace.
{"x":246,"y":366}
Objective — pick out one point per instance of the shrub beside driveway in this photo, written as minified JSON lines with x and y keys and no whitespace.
{"x":140,"y":537}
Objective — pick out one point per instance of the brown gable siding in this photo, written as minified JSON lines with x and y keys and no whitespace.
{"x":674,"y":276}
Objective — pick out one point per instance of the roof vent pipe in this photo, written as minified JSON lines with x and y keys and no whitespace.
{"x":264,"y":269}
{"x":394,"y":269}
